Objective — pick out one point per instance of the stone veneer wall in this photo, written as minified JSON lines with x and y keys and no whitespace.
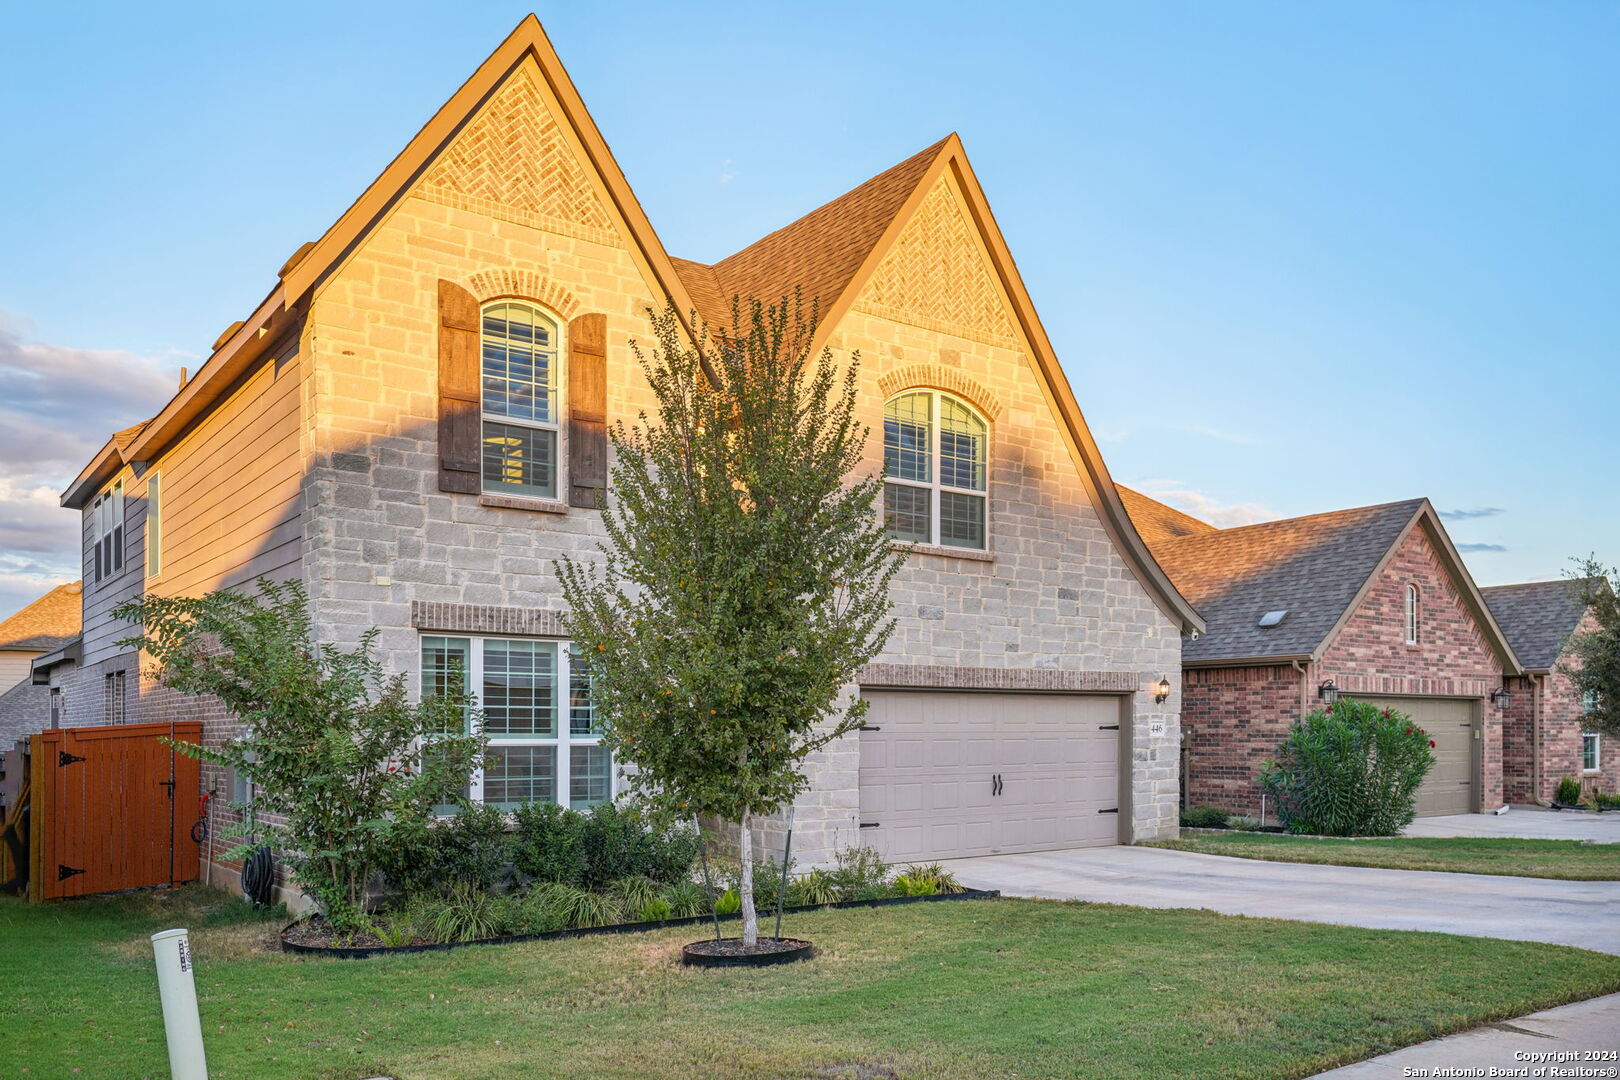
{"x":382,"y":542}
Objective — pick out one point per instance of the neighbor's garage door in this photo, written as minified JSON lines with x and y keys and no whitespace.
{"x":1450,"y":786}
{"x":945,"y":775}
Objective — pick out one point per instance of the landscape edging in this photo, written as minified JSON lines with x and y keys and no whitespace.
{"x":363,"y":952}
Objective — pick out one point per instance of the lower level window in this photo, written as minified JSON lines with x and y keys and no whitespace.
{"x":544,"y":743}
{"x":1590,"y":760}
{"x":112,"y":698}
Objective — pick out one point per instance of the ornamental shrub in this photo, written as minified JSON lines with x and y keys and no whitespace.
{"x":608,"y":843}
{"x":1204,"y":817}
{"x":1350,"y":769}
{"x":1569,"y":792}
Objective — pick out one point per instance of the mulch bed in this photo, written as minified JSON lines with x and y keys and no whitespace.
{"x":313,"y":936}
{"x":731,"y":952}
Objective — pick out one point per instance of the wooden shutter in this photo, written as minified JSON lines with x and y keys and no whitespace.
{"x":459,"y":401}
{"x":587,"y":411}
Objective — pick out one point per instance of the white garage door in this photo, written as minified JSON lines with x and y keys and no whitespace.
{"x":952,"y":774}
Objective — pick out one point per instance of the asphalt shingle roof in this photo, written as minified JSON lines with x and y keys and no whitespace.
{"x":1312,"y":567}
{"x":820,"y":252}
{"x":1537,"y":618}
{"x":1155,"y":521}
{"x":48,"y":623}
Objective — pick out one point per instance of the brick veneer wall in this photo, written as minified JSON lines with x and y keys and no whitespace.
{"x":1561,"y":711}
{"x":1519,"y":780}
{"x":1233,"y":719}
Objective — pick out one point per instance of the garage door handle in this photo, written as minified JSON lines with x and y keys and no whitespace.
{"x":995,"y":783}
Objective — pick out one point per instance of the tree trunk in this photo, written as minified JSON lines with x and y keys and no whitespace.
{"x":745,"y":852}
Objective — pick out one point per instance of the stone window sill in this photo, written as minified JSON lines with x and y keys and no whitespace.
{"x":510,"y":502}
{"x":946,"y":552}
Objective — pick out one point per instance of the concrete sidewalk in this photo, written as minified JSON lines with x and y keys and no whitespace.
{"x":1585,"y":914}
{"x":1584,"y":1026}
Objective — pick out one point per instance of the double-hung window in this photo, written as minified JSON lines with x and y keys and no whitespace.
{"x":519,"y":394}
{"x":1591,"y":757}
{"x":535,"y":696}
{"x":107,"y":531}
{"x":112,"y":698}
{"x":936,"y":453}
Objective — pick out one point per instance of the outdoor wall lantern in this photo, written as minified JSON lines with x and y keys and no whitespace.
{"x":1501,"y":698}
{"x":1328,"y":692}
{"x":1163,"y":693}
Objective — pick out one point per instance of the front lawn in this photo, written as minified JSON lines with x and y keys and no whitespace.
{"x":969,"y":989}
{"x":1570,"y":860}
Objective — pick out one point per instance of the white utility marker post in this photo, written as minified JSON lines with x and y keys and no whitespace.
{"x":178,"y":990}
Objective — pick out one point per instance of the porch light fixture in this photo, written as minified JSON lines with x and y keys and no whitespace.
{"x":1163,"y":693}
{"x":1502,"y":698}
{"x":1328,"y":692}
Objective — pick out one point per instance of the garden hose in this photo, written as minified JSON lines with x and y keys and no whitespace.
{"x":259,"y":877}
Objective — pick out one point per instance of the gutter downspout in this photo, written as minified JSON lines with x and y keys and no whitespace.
{"x":1304,"y":687}
{"x":1537,"y":687}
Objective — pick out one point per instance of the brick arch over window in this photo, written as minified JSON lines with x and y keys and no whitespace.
{"x":488,"y":285}
{"x":934,"y":376}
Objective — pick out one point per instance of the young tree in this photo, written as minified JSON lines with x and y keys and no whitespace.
{"x":339,"y":756}
{"x":1592,"y":658}
{"x":746,"y":572}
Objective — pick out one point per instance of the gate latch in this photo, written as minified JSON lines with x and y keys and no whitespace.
{"x":64,"y":759}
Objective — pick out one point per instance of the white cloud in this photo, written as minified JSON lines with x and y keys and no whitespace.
{"x":58,"y":405}
{"x":1222,"y":515}
{"x":726,"y":175}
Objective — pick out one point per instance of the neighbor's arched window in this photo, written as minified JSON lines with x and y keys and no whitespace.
{"x":936,"y":452}
{"x":520,"y":407}
{"x":1411,"y":614}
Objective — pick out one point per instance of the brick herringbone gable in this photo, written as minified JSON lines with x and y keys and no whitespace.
{"x":513,"y":162}
{"x":938,"y":276}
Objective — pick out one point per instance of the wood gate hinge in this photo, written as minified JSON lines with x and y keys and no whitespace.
{"x":64,"y":759}
{"x":65,"y":872}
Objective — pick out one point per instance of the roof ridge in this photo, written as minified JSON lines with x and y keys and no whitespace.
{"x":1414,"y":503}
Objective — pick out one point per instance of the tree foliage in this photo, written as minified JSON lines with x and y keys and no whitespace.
{"x":745,"y":574}
{"x":340,"y":758}
{"x":1592,"y":657}
{"x":1350,"y":769}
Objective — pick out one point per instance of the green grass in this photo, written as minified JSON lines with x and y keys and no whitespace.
{"x":972,"y":989}
{"x":1569,"y":860}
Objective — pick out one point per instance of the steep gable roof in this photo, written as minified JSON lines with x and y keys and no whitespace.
{"x":1312,"y":567}
{"x":831,"y":252}
{"x":1315,"y":568}
{"x":48,"y":623}
{"x":1538,"y":617}
{"x":820,"y":252}
{"x":1156,"y":521}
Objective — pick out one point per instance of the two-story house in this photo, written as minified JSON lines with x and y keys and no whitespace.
{"x":412,"y":422}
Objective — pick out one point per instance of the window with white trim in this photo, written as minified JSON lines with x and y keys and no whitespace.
{"x":1411,"y":614}
{"x":518,"y":347}
{"x":154,"y":525}
{"x":107,"y":531}
{"x":535,"y":695}
{"x":936,"y":453}
{"x":1591,"y":757}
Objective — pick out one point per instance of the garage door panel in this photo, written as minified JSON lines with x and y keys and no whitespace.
{"x":935,"y":798}
{"x":1450,"y":787}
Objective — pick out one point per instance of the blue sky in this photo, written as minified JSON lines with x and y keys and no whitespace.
{"x":1295,"y":256}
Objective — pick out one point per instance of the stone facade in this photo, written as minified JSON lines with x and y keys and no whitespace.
{"x":512,"y":208}
{"x":1236,"y":717}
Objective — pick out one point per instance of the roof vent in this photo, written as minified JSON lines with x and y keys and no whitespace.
{"x":1272,"y":618}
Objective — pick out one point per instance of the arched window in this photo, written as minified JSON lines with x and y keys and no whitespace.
{"x":520,"y":408}
{"x":936,"y":453}
{"x":1411,"y":614}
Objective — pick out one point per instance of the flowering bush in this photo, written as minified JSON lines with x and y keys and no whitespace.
{"x":1350,"y":769}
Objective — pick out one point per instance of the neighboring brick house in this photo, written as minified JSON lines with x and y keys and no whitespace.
{"x":1372,"y":603}
{"x":1543,"y":739}
{"x":412,"y":423}
{"x":47,"y":626}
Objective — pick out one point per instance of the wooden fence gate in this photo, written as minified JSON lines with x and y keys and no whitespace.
{"x":112,"y":808}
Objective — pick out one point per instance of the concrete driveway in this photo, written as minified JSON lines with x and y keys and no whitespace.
{"x":1528,"y":824}
{"x":1580,"y":913}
